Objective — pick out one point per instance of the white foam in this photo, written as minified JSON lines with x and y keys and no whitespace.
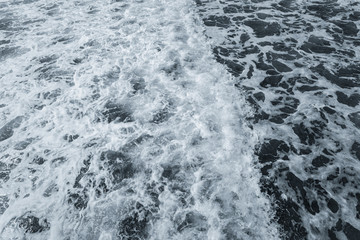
{"x":162,"y":43}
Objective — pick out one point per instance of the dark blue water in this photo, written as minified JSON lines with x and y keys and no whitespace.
{"x":298,"y":62}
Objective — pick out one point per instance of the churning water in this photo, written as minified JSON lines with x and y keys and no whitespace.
{"x":163,"y":119}
{"x":118,"y":123}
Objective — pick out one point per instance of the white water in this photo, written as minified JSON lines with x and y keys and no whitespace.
{"x":72,"y":58}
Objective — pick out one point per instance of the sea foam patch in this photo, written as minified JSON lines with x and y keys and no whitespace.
{"x":117,"y":123}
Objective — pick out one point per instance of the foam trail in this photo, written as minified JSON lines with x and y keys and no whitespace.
{"x":119,"y":124}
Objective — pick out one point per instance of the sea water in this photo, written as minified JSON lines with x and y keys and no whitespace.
{"x":117,"y":122}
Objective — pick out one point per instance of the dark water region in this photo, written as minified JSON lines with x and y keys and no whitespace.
{"x":299,"y":65}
